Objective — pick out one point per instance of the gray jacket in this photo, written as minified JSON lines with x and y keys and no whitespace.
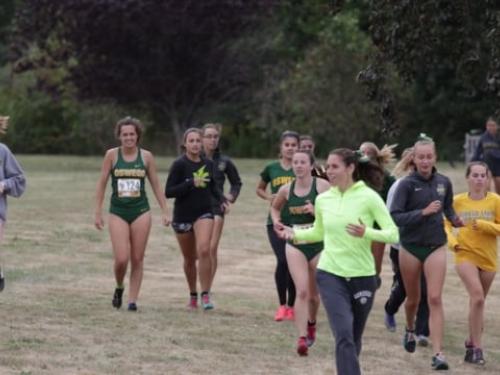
{"x":12,"y":176}
{"x":412,"y":195}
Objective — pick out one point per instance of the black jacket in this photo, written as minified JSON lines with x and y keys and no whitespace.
{"x":413,"y":194}
{"x":223,"y":166}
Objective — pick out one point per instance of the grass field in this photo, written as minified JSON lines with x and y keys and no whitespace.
{"x":56,"y":315}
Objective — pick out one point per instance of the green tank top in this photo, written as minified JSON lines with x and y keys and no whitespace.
{"x":297,"y":218}
{"x":127,"y":182}
{"x":276,"y":177}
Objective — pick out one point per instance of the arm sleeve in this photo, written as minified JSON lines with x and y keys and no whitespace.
{"x":177,"y":184}
{"x":15,"y":182}
{"x":234,"y":179}
{"x":398,"y":208}
{"x":449,"y":211}
{"x":315,"y":233}
{"x":265,"y":175}
{"x":478,"y":152}
{"x":389,"y":231}
{"x":214,"y":189}
{"x":452,"y":239}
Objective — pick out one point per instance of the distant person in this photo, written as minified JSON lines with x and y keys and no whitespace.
{"x":475,"y":248}
{"x":418,"y":206}
{"x":191,"y":182}
{"x":12,"y":182}
{"x":297,"y":198}
{"x":223,"y":167}
{"x":346,"y":275}
{"x":488,"y":150}
{"x":397,"y":293}
{"x":277,"y":174}
{"x":129,"y":211}
{"x":307,"y":144}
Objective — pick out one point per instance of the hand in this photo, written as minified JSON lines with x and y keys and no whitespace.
{"x":98,"y":221}
{"x":200,"y":181}
{"x":2,"y":187}
{"x":229,"y":197}
{"x":271,"y":198}
{"x":278,"y":226}
{"x":166,"y":220}
{"x":432,"y":208}
{"x":308,"y":208}
{"x":226,"y":207}
{"x":356,"y":230}
{"x":459,"y":222}
{"x":285,"y":233}
{"x":457,"y":248}
{"x":379,"y":281}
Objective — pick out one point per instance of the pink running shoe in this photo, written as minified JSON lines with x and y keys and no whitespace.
{"x":290,"y":313}
{"x":311,"y":333}
{"x":280,"y":313}
{"x":302,"y":346}
{"x":193,"y":302}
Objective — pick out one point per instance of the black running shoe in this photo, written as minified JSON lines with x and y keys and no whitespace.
{"x":469,"y":351}
{"x":132,"y":306}
{"x":439,"y":362}
{"x":476,"y":357}
{"x":117,"y":298}
{"x":409,"y":342}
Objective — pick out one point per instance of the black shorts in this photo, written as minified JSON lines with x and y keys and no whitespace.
{"x":187,"y":226}
{"x":494,"y":165}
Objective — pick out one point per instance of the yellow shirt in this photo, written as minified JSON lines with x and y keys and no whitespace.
{"x":478,"y":246}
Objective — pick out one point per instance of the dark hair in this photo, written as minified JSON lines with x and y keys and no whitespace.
{"x":364,"y":169}
{"x":308,"y":153}
{"x":137,"y":124}
{"x":185,"y":135}
{"x":473,"y":164}
{"x":289,"y":134}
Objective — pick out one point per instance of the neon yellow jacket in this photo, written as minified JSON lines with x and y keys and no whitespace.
{"x":345,"y":255}
{"x":477,"y":246}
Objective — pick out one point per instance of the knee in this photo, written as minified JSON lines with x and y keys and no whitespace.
{"x":434,"y":300}
{"x":477,"y":300}
{"x":203,"y":251}
{"x":121,"y":262}
{"x":302,"y":294}
{"x":412,"y":302}
{"x":314,"y":299}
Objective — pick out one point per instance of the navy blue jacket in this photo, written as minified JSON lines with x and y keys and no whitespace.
{"x":223,"y":166}
{"x":413,"y":194}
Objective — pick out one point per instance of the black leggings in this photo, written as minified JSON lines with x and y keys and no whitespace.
{"x":282,"y":277}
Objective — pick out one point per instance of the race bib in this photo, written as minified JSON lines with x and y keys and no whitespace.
{"x":129,"y":187}
{"x":302,"y":226}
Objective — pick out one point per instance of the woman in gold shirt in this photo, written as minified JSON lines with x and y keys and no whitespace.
{"x":475,"y":247}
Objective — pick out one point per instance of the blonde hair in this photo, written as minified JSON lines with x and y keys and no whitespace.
{"x":382,"y":157}
{"x":4,"y":124}
{"x":403,"y":166}
{"x":210,"y":125}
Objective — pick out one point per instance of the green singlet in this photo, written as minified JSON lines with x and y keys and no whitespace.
{"x":276,"y":177}
{"x":128,"y":199}
{"x":300,"y":220}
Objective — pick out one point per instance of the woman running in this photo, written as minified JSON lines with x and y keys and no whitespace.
{"x":277,"y":174}
{"x":398,"y":293}
{"x":307,"y":143}
{"x":418,"y":206}
{"x":475,"y":248}
{"x":129,"y":212}
{"x":12,"y":182}
{"x":297,"y":198}
{"x":382,"y":158}
{"x":223,"y":166}
{"x":191,"y":182}
{"x":346,"y":276}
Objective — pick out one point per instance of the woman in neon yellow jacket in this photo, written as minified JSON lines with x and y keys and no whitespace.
{"x":346,"y":276}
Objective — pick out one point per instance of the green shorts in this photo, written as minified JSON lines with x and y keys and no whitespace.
{"x":309,"y":250}
{"x":420,"y":252}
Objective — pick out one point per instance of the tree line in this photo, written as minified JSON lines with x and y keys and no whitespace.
{"x":342,"y":71}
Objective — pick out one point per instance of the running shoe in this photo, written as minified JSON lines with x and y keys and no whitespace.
{"x":409,"y":342}
{"x":422,"y":340}
{"x":205,"y":302}
{"x":280,"y":313}
{"x":117,"y":298}
{"x":2,"y":280}
{"x":290,"y":313}
{"x":439,"y":362}
{"x":193,"y":302}
{"x":311,"y":333}
{"x":132,"y":306}
{"x":302,"y":346}
{"x":476,"y":357}
{"x":469,"y":351}
{"x":390,"y":322}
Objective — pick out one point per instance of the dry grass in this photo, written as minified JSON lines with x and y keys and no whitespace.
{"x":56,"y":315}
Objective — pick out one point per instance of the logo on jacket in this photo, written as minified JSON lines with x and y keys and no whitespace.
{"x":222,"y":166}
{"x":441,"y":190}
